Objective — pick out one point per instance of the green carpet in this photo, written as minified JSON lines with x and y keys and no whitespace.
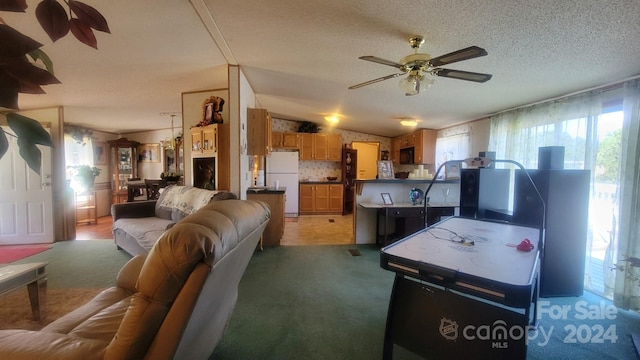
{"x":321,"y":302}
{"x":81,"y":263}
{"x":309,"y":302}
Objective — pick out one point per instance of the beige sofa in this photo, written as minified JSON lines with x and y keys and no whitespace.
{"x":173,"y":303}
{"x":138,"y":225}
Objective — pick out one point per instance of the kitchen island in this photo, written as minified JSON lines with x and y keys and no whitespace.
{"x":402,"y":217}
{"x":275,"y":198}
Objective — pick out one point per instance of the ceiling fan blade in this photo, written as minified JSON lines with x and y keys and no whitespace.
{"x":381,"y":61}
{"x":375,"y":81}
{"x":462,"y":75}
{"x":462,"y":54}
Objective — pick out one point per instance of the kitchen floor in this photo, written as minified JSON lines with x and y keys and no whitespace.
{"x":318,"y":230}
{"x":304,"y":230}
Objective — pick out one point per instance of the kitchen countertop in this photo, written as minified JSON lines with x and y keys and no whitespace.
{"x":321,"y":182}
{"x":266,"y":190}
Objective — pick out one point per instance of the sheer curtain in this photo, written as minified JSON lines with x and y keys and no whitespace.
{"x":627,"y":285}
{"x":573,"y":122}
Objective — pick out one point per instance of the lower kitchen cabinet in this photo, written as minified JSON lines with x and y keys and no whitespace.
{"x":320,"y":198}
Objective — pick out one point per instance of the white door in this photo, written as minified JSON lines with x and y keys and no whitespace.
{"x":26,"y":212}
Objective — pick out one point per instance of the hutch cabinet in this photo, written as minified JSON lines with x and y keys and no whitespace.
{"x":204,"y":139}
{"x":124,"y":166}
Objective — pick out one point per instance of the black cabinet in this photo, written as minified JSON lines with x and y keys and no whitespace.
{"x":395,"y":223}
{"x":566,"y":195}
{"x":349,"y":168}
{"x":436,"y":214}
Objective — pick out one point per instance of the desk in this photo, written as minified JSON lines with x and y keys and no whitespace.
{"x":406,"y":219}
{"x":444,"y":291}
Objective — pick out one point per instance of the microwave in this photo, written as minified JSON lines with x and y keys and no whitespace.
{"x":406,"y":155}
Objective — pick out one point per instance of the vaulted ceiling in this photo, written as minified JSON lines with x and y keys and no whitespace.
{"x":300,"y":57}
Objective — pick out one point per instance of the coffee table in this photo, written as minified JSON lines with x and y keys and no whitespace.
{"x":31,"y":275}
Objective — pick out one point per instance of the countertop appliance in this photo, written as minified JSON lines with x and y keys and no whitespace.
{"x":282,"y":167}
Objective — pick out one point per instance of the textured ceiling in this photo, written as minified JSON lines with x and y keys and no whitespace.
{"x":300,"y":57}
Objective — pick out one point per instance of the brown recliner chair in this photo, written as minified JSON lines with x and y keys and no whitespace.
{"x":173,"y":303}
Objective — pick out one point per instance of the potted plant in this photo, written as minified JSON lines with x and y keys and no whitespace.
{"x":84,"y":175}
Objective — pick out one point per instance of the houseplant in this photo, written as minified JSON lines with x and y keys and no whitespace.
{"x":20,"y":74}
{"x":84,"y":175}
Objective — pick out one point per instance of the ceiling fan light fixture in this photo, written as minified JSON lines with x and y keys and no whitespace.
{"x":414,"y":84}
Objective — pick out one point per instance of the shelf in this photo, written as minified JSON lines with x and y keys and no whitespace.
{"x":88,"y":207}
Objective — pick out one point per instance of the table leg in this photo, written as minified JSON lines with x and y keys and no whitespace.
{"x":38,"y":298}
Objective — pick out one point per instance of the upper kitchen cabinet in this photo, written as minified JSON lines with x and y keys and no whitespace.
{"x":259,"y":137}
{"x":320,"y":146}
{"x":285,"y":140}
{"x":425,"y":146}
{"x":418,"y":147}
{"x":204,"y":140}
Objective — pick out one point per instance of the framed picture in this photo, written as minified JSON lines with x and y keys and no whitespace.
{"x":99,"y":153}
{"x":386,"y":199}
{"x":385,"y":169}
{"x":149,"y":152}
{"x":452,"y":171}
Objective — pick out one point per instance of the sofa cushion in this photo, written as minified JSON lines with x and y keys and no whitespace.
{"x":146,"y":231}
{"x":180,"y":201}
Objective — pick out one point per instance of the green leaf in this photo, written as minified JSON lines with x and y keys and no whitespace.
{"x":28,"y":130}
{"x":53,"y":19}
{"x":31,"y":154}
{"x":38,"y":54}
{"x":83,"y":33}
{"x":89,"y":16}
{"x":4,"y":143}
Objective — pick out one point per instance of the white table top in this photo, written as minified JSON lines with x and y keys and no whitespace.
{"x":12,"y":271}
{"x":493,"y":255}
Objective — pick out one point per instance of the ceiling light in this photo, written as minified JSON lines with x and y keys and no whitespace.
{"x":334,"y":119}
{"x":169,"y":143}
{"x":414,"y":83}
{"x":408,"y":122}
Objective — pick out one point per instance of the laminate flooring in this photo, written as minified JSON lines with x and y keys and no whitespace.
{"x":304,"y":230}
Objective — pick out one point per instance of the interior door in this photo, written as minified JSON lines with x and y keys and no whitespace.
{"x":26,"y":211}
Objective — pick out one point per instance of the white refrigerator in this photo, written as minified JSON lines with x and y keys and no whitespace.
{"x":282,"y":166}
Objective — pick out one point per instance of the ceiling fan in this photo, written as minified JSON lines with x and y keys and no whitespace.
{"x":417,"y":65}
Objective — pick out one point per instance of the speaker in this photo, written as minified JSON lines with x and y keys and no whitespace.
{"x":551,"y":158}
{"x":469,"y":190}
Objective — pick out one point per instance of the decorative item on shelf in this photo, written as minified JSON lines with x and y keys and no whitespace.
{"x":416,"y":196}
{"x":308,"y":127}
{"x":212,"y":111}
{"x":332,"y":178}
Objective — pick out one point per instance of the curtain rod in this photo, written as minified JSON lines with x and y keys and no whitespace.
{"x":611,"y":86}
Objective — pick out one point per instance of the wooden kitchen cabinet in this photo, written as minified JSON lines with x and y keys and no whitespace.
{"x":259,"y":136}
{"x":320,"y":146}
{"x":320,"y":198}
{"x":285,"y":140}
{"x":425,"y":147}
{"x":204,"y":139}
{"x":424,"y":143}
